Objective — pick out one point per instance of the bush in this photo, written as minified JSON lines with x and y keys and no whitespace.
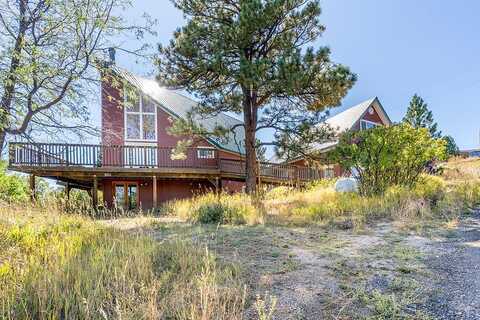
{"x":387,"y":156}
{"x":13,"y":188}
{"x":210,"y":208}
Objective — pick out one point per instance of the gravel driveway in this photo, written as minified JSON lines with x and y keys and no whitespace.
{"x":457,"y":290}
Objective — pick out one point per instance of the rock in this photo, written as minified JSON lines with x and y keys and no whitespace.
{"x":346,"y":185}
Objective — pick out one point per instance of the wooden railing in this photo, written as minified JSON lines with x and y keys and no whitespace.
{"x":102,"y":156}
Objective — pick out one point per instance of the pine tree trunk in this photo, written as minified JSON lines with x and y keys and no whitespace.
{"x":3,"y":136}
{"x":250,"y":121}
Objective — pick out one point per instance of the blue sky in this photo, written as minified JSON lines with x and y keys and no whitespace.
{"x":397,"y":48}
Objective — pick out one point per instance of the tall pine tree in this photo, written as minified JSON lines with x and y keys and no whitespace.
{"x":250,"y":57}
{"x":418,"y":116}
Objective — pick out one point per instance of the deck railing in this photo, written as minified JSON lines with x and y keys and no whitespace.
{"x":103,"y":156}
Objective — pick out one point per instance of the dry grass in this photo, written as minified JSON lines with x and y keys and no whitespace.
{"x":55,"y":266}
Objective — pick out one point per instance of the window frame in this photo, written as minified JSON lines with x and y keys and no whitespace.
{"x":200,"y":149}
{"x":140,"y":114}
{"x":375,"y":124}
{"x":125,"y":184}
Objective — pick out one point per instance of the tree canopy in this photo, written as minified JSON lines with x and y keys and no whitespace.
{"x":419,"y":116}
{"x":251,"y":57}
{"x":49,"y":55}
{"x":382,"y":157}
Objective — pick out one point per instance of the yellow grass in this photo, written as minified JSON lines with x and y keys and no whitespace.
{"x":54,"y":266}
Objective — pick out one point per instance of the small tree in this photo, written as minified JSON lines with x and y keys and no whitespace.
{"x":451,"y":146}
{"x":386,"y":156}
{"x":48,"y":69}
{"x":250,"y":57}
{"x":418,"y":116}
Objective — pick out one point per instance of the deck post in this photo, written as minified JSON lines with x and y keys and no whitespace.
{"x":154,"y":190}
{"x":218,"y":186}
{"x":33,"y":194}
{"x":68,"y":188}
{"x":95,"y":193}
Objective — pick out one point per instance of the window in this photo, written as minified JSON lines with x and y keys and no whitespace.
{"x":365,"y":124}
{"x":140,"y":117}
{"x":329,"y":172}
{"x":126,"y":195}
{"x":204,"y":153}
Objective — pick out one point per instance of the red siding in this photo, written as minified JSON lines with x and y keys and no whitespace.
{"x":369,"y":117}
{"x":166,"y":190}
{"x":112,"y":113}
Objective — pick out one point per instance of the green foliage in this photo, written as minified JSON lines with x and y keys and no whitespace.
{"x":387,"y":156}
{"x":211,"y":208}
{"x":13,"y":188}
{"x":451,"y":146}
{"x":251,"y":56}
{"x":418,"y":116}
{"x":48,"y":58}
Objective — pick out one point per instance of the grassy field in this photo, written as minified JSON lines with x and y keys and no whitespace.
{"x":299,"y":254}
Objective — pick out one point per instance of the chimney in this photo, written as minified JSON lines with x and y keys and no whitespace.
{"x":111,"y":55}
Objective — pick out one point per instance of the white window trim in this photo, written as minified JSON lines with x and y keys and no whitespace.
{"x":205,"y":148}
{"x":140,"y":113}
{"x":376,"y":124}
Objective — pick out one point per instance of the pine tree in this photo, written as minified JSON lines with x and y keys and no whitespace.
{"x":250,"y":57}
{"x":451,"y":146}
{"x":418,"y":116}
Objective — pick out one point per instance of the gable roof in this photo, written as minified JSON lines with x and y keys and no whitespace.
{"x":178,"y":106}
{"x":344,"y":121}
{"x":347,"y":119}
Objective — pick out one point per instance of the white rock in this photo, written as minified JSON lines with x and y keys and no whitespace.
{"x":346,"y":185}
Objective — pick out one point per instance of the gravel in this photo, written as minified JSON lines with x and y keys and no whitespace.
{"x":456,"y":293}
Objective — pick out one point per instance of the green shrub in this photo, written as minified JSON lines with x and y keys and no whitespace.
{"x":387,"y":156}
{"x":13,"y":188}
{"x":211,"y":208}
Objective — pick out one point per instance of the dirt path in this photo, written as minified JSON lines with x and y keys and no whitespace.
{"x":382,"y":272}
{"x":457,"y":294}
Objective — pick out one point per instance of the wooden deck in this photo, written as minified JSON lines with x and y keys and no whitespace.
{"x":79,"y":163}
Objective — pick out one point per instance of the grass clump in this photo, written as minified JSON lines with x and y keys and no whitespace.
{"x":218,"y":209}
{"x":54,"y":266}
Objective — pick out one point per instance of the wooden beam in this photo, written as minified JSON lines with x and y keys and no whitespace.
{"x":154,"y":187}
{"x":68,"y":188}
{"x":95,"y":193}
{"x":33,"y":193}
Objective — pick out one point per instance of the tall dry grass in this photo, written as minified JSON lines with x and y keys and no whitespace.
{"x":54,"y":266}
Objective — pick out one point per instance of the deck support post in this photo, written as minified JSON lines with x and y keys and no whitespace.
{"x":33,"y":194}
{"x":218,"y":186}
{"x":95,"y":193}
{"x":154,"y":190}
{"x":68,"y":188}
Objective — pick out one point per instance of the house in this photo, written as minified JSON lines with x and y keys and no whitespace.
{"x":363,"y":116}
{"x":135,"y":165}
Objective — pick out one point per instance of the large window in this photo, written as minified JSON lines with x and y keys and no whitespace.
{"x":365,"y":124}
{"x":140,"y":117}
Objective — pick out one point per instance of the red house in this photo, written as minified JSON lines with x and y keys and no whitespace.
{"x":363,"y":116}
{"x":135,"y":165}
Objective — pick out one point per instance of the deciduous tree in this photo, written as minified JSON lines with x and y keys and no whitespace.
{"x":251,"y":57}
{"x":382,"y":157}
{"x":48,"y":50}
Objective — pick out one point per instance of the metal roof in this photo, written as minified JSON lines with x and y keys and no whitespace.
{"x":178,"y":106}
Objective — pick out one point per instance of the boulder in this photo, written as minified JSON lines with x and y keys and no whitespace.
{"x":346,"y":185}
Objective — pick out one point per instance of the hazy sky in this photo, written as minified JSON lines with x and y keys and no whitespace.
{"x":397,"y":48}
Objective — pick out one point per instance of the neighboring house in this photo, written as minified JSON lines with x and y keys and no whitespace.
{"x":135,"y":165}
{"x":471,"y":153}
{"x":363,"y":116}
